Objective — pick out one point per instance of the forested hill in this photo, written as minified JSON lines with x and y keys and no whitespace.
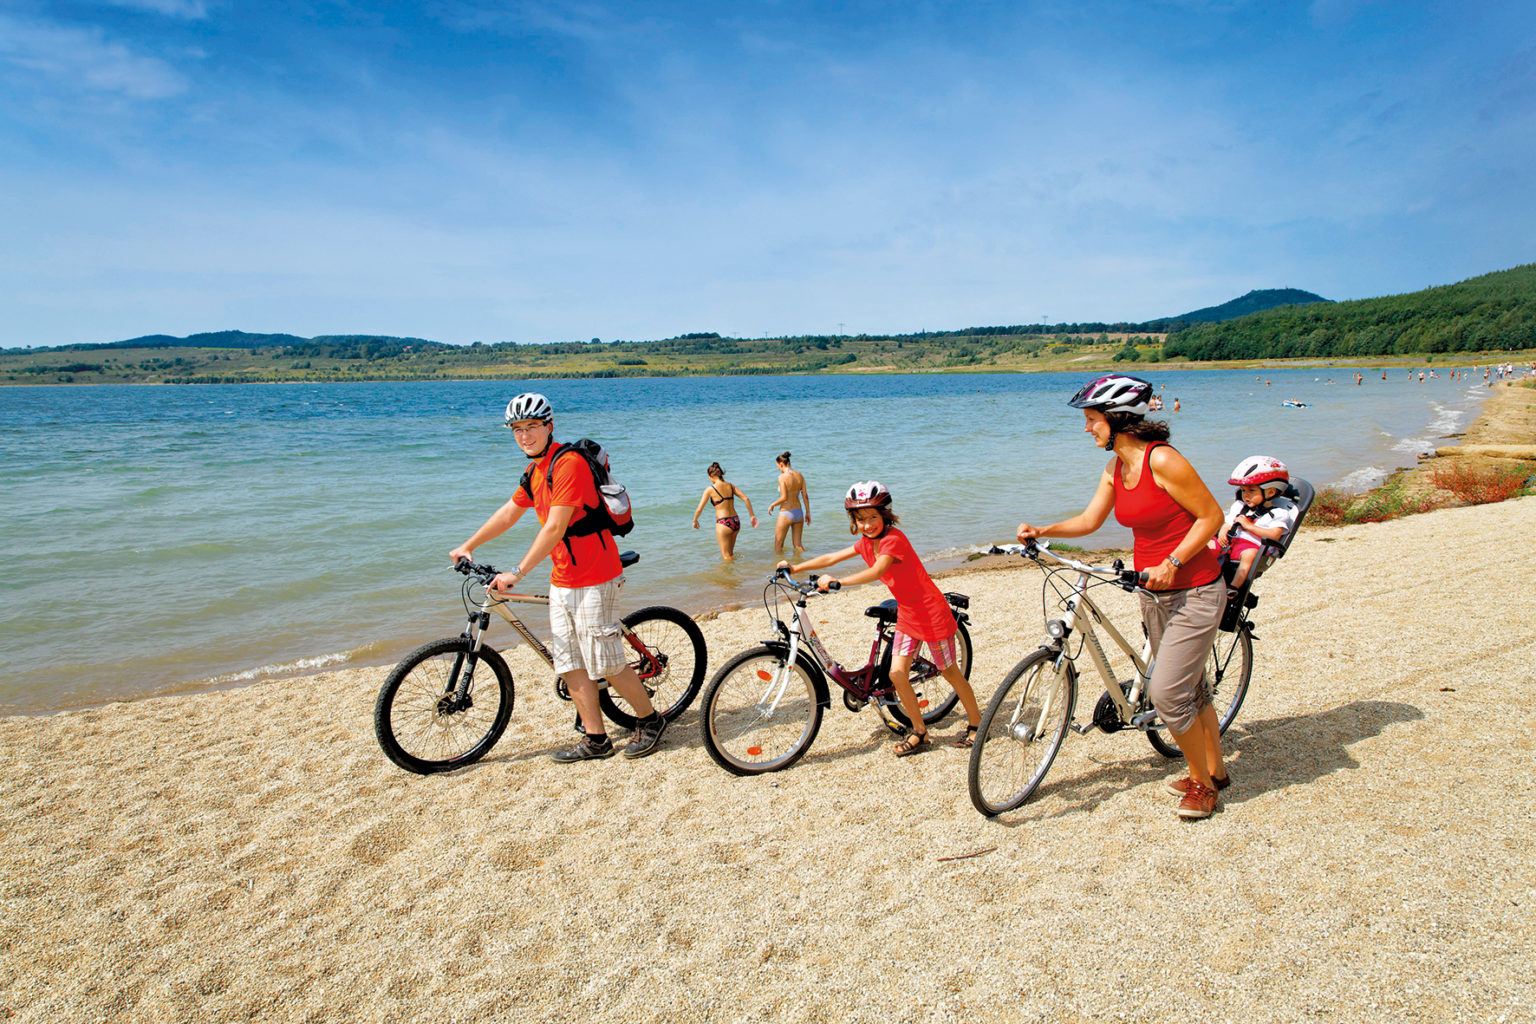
{"x":1254,"y":302}
{"x":323,"y":344}
{"x":1493,"y":312}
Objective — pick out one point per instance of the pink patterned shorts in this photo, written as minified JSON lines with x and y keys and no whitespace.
{"x":943,"y":653}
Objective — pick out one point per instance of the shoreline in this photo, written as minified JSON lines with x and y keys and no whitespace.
{"x":1084,"y":363}
{"x":1486,"y":425}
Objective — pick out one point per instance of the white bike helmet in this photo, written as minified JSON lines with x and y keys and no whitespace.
{"x":1258,"y":470}
{"x":530,"y":405}
{"x":1115,"y":393}
{"x":867,"y":494}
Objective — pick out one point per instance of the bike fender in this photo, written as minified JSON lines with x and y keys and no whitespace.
{"x":818,"y":680}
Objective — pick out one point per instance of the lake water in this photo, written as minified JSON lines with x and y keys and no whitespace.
{"x":159,"y":539}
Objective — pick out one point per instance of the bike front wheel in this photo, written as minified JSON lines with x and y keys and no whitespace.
{"x":1021,"y":731}
{"x":935,"y":696}
{"x":1228,"y":668}
{"x":760,"y":712}
{"x":422,"y":722}
{"x":665,"y":647}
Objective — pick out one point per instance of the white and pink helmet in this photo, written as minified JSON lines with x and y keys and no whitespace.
{"x":1115,"y":393}
{"x":867,"y":494}
{"x":1258,"y":470}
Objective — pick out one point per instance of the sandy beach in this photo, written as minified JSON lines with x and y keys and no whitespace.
{"x":251,"y":854}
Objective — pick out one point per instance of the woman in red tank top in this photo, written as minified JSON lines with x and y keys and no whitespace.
{"x":1172,"y":515}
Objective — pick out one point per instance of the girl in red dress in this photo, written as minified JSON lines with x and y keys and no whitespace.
{"x":922,"y":613}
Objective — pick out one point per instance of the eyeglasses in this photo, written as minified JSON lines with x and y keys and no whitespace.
{"x":522,"y":431}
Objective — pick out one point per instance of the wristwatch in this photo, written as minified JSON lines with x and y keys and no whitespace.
{"x":1173,"y":560}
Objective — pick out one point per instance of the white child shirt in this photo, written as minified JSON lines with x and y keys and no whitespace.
{"x":1280,"y":512}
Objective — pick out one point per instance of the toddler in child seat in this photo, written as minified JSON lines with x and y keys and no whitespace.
{"x":922,"y":613}
{"x":1259,"y":513}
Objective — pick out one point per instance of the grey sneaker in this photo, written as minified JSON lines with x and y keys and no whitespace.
{"x":591,"y":748}
{"x":647,"y":736}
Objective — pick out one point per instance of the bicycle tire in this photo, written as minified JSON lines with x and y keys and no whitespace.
{"x":931,"y":686}
{"x":1021,"y":731}
{"x":738,"y":734}
{"x":413,"y":727}
{"x":1228,"y":683}
{"x":671,"y":665}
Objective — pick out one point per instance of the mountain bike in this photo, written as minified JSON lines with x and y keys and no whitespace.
{"x":447,"y":703}
{"x":763,"y":708}
{"x":1023,"y":727}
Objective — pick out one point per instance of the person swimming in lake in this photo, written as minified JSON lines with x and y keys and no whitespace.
{"x":794,"y":505}
{"x":722,"y":494}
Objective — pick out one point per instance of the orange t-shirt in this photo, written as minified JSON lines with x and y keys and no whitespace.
{"x":577,"y":561}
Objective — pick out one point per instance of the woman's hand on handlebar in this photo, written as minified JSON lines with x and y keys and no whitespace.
{"x":1028,"y":533}
{"x":826,"y":583}
{"x":1160,"y":576}
{"x":462,"y":553}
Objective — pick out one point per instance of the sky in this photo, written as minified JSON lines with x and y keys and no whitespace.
{"x":550,"y":171}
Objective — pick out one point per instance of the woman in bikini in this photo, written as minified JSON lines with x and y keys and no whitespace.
{"x":722,"y":494}
{"x":792,"y":516}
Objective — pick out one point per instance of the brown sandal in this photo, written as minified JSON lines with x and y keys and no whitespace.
{"x":915,"y":743}
{"x":966,"y":739}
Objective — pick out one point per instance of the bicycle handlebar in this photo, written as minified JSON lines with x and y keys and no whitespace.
{"x":782,"y":577}
{"x":1129,"y":579}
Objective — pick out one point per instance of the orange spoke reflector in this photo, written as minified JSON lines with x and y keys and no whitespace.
{"x":922,"y":703}
{"x":766,"y":676}
{"x":755,"y":751}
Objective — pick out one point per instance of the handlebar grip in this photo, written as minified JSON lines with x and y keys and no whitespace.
{"x":835,"y":585}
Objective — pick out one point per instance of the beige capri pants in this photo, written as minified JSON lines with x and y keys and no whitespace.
{"x":1182,"y":627}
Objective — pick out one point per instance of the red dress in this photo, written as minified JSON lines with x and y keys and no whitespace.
{"x":921,"y":611}
{"x":1158,"y":524}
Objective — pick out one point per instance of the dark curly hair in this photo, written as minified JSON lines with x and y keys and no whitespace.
{"x":1139,"y":427}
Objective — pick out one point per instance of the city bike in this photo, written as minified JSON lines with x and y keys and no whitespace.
{"x":447,"y":703}
{"x":1023,"y":726}
{"x":763,"y":708}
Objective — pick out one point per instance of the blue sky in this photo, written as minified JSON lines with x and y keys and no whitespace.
{"x":539,"y":171}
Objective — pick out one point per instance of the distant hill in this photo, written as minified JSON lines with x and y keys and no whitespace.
{"x":1492,"y":312}
{"x":246,"y":340}
{"x":1254,"y":302}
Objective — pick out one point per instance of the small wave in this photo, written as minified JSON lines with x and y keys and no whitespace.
{"x":1362,"y":479}
{"x":298,"y":667}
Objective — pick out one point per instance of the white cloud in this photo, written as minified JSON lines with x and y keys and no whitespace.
{"x":83,"y":59}
{"x":190,"y":9}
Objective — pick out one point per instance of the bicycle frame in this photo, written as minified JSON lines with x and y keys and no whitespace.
{"x":1083,"y":616}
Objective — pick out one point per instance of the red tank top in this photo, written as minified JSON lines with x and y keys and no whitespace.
{"x":1158,"y":524}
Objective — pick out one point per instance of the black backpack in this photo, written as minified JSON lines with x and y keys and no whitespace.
{"x":612,"y":513}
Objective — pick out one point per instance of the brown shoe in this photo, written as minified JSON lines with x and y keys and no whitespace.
{"x":1199,"y":801}
{"x":1178,"y":787}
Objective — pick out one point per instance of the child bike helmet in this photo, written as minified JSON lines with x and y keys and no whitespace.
{"x":1258,"y":470}
{"x":867,"y":494}
{"x":530,"y":405}
{"x":1115,"y":393}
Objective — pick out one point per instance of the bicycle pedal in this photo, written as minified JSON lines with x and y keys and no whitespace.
{"x":1083,"y":730}
{"x":1144,"y":721}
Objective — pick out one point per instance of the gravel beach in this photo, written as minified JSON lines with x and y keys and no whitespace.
{"x":251,"y":854}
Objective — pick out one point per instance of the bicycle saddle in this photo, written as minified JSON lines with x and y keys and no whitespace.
{"x":885,"y":611}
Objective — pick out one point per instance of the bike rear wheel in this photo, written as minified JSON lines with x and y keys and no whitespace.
{"x":760,"y":713}
{"x":1021,"y":731}
{"x":934,"y":694}
{"x":1228,"y":668}
{"x":666,"y":649}
{"x":420,"y":723}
